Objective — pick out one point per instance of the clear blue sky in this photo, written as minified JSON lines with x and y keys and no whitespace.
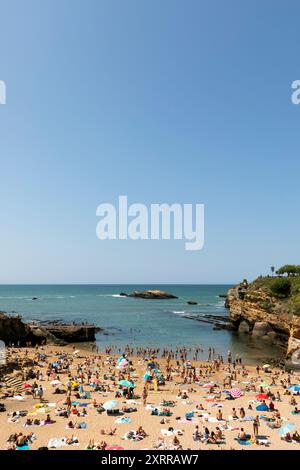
{"x":165,"y":101}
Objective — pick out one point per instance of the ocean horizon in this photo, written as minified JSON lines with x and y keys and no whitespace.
{"x":167,"y":323}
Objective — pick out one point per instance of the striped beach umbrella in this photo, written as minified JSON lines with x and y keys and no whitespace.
{"x":14,"y":383}
{"x":235,"y":392}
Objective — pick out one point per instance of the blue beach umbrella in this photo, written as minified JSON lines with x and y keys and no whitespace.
{"x":294,"y":388}
{"x":287,"y":427}
{"x":126,"y":383}
{"x":262,"y":407}
{"x":147,"y":376}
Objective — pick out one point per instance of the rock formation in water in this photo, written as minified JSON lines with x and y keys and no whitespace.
{"x":152,"y":294}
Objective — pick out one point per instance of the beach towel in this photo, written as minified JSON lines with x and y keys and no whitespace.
{"x":82,"y":425}
{"x":188,"y":421}
{"x":175,"y":432}
{"x":25,"y":447}
{"x":244,"y":442}
{"x":56,"y":443}
{"x":215,"y":420}
{"x":123,"y":420}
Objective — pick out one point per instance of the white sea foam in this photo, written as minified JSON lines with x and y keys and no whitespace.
{"x":108,"y":295}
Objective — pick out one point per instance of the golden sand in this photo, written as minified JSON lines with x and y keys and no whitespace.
{"x":158,"y":436}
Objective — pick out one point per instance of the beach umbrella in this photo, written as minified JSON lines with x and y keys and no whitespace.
{"x":126,"y":383}
{"x":287,"y":427}
{"x":110,"y":405}
{"x":266,"y":366}
{"x":122,"y":363}
{"x":208,"y":385}
{"x":262,"y":407}
{"x":147,"y":376}
{"x":235,"y":392}
{"x":76,"y":351}
{"x":26,"y":386}
{"x":55,"y":364}
{"x":120,"y":359}
{"x":55,"y":382}
{"x":262,"y":396}
{"x":294,"y":388}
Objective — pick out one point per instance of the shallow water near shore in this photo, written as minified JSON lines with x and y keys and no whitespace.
{"x":138,"y":322}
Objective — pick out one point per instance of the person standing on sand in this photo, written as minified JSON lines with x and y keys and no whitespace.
{"x":256,"y":425}
{"x":145,"y":395}
{"x":40,"y":393}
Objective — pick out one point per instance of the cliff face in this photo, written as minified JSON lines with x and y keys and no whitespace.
{"x":255,"y":311}
{"x":12,"y":330}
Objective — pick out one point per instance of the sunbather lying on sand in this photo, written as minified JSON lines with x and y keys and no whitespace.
{"x":108,"y":432}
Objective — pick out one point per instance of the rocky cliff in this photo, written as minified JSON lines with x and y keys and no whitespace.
{"x":255,"y":310}
{"x":14,"y":330}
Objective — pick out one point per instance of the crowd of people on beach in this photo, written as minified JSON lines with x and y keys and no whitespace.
{"x":220,"y":403}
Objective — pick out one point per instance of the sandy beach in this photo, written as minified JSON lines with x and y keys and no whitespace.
{"x":179,"y":403}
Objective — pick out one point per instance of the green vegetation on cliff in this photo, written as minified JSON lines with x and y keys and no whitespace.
{"x":285,"y":290}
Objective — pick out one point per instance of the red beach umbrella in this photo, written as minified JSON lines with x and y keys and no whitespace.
{"x":261,"y":396}
{"x":26,"y":386}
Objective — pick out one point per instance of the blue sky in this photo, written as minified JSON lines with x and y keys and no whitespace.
{"x":164,"y":101}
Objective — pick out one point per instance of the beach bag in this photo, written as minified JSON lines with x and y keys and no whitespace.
{"x":113,"y":412}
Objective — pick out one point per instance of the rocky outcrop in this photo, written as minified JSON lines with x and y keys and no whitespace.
{"x":15,"y":331}
{"x":62,"y":333}
{"x":152,"y":294}
{"x":255,"y":311}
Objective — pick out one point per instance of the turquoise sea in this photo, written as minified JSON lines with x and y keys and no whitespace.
{"x":138,"y":322}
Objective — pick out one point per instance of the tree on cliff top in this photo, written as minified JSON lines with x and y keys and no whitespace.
{"x":289,"y":269}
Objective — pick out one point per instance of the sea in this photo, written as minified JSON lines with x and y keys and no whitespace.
{"x":167,"y":323}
